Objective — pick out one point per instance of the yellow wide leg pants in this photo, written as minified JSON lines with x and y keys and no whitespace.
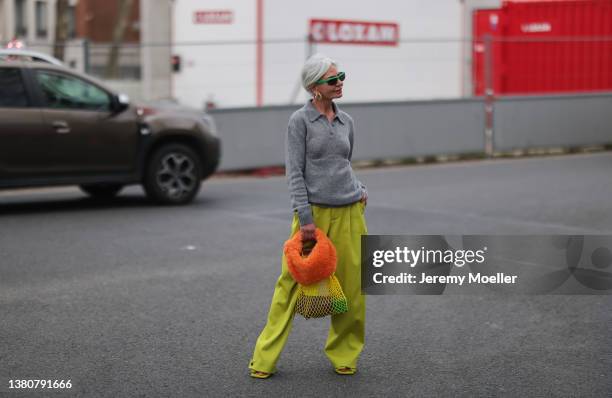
{"x":344,"y":226}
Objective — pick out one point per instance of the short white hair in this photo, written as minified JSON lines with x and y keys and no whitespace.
{"x":314,"y":68}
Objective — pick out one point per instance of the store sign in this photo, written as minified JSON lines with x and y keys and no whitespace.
{"x":213,"y":17}
{"x":354,"y":32}
{"x":536,"y":27}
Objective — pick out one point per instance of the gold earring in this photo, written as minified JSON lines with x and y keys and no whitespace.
{"x":318,"y":96}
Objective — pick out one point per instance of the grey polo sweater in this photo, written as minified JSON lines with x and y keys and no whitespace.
{"x":318,"y":161}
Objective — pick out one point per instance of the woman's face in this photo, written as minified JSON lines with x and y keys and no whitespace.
{"x":327,"y":91}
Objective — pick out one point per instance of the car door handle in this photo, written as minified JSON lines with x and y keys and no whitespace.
{"x":61,"y":127}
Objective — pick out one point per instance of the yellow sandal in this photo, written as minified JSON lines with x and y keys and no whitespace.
{"x":260,"y":375}
{"x":345,"y":370}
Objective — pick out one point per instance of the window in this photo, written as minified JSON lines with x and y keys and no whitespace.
{"x":12,"y":90}
{"x":21,"y":24}
{"x":41,"y":19}
{"x":67,"y":92}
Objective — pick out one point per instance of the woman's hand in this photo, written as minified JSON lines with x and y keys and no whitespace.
{"x":364,"y":198}
{"x":308,"y":232}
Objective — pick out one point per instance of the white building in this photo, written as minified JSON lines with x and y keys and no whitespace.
{"x":30,"y":20}
{"x":221,"y":62}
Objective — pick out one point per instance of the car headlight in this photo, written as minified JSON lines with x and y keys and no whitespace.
{"x":210,"y":124}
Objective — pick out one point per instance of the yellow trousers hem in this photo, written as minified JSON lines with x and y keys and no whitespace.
{"x":346,"y":338}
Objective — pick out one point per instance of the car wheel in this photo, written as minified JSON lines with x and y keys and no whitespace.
{"x":173,"y":175}
{"x":102,"y":191}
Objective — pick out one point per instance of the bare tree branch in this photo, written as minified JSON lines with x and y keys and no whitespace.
{"x":61,"y":28}
{"x":112,"y":66}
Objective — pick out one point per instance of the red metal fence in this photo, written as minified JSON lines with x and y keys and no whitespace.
{"x":545,"y":46}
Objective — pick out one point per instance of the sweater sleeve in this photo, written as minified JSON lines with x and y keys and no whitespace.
{"x":295,"y":161}
{"x":351,"y":139}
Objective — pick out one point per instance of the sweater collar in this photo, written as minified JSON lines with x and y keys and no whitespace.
{"x":314,"y":114}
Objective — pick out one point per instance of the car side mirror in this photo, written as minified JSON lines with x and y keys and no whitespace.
{"x":120,"y":103}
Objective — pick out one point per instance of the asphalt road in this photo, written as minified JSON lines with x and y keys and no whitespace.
{"x":128,"y":299}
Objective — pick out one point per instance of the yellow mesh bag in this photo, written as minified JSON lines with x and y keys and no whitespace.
{"x":321,"y":299}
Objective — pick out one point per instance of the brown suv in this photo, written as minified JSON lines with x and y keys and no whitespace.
{"x":59,"y":127}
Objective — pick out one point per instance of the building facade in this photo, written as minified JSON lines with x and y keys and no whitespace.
{"x":236,"y":53}
{"x":31,"y":21}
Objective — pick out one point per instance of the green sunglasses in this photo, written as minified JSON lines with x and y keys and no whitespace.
{"x":332,"y":81}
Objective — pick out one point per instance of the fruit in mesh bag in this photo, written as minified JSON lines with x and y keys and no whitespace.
{"x":321,"y":299}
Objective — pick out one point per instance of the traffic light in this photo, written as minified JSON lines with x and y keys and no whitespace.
{"x":176,"y":63}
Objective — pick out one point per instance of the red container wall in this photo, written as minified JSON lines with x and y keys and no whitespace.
{"x":552,"y":46}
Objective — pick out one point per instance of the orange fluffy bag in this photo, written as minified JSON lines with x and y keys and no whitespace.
{"x":309,"y":268}
{"x":319,"y":292}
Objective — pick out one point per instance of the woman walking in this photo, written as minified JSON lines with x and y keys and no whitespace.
{"x":325,"y":194}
